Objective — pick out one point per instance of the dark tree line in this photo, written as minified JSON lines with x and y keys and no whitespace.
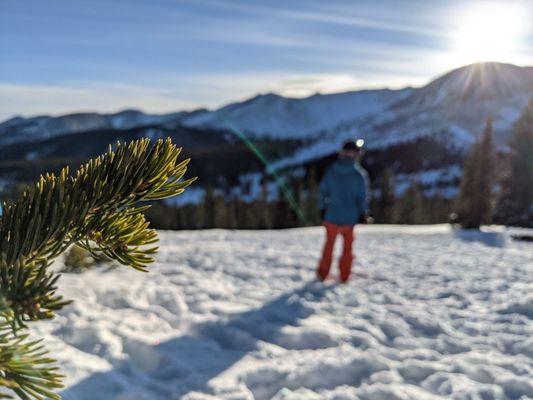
{"x":412,"y":207}
{"x":495,"y":187}
{"x":475,"y":202}
{"x":515,"y":206}
{"x":499,"y":190}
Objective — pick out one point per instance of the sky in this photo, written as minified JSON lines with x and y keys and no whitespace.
{"x":61,"y":56}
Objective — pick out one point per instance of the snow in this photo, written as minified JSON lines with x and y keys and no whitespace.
{"x":431,"y":313}
{"x":44,"y":127}
{"x":461,"y":135}
{"x":253,"y":187}
{"x":128,"y":119}
{"x":275,"y":116}
{"x":440,"y":181}
{"x":308,"y":153}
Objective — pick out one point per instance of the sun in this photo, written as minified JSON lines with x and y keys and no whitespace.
{"x":490,"y":31}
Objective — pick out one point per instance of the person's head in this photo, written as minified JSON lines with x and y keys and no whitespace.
{"x":352,"y":149}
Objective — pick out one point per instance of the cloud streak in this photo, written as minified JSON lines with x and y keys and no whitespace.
{"x":165,"y":55}
{"x":179,"y":94}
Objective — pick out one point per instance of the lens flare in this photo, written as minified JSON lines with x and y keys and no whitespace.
{"x":287,"y":194}
{"x":490,"y":31}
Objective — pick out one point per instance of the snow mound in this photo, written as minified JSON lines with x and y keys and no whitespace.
{"x":431,"y":314}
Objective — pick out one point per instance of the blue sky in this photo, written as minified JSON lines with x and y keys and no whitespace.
{"x":61,"y":56}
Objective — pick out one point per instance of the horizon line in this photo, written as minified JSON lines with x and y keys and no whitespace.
{"x":199,"y":107}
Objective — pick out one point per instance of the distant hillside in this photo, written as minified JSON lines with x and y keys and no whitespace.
{"x":459,"y":101}
{"x":474,"y":83}
{"x":419,"y":134}
{"x":274,"y":116}
{"x":217,"y":157}
{"x":18,"y":129}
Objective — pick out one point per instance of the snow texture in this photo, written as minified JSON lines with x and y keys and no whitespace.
{"x":431,"y":313}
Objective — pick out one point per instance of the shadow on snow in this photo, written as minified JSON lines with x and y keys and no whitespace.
{"x":491,"y":239}
{"x":187,"y":363}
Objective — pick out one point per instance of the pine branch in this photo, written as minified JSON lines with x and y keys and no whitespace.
{"x":97,"y":208}
{"x":25,"y":369}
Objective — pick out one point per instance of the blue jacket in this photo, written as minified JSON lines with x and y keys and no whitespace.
{"x":343,"y":192}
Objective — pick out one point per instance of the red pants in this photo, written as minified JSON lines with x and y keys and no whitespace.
{"x":345,"y":262}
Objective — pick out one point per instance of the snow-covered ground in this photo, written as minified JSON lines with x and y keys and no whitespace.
{"x":430,"y":314}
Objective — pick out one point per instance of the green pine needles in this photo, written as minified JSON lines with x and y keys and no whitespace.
{"x":98,"y":209}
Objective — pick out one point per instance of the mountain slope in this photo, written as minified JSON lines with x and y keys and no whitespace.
{"x":275,"y":116}
{"x":439,"y":120}
{"x":270,"y":116}
{"x":459,"y":102}
{"x":479,"y":82}
{"x":456,"y":106}
{"x":20,"y":129}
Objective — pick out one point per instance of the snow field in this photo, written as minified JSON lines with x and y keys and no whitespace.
{"x":430,"y":314}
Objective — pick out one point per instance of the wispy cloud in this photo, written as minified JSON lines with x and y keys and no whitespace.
{"x":342,"y":13}
{"x":44,"y":99}
{"x":164,"y":55}
{"x":210,"y":91}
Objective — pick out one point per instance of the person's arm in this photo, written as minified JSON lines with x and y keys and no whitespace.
{"x":366,"y":194}
{"x":364,"y":199}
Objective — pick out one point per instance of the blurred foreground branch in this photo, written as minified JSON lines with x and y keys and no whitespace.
{"x":97,"y":209}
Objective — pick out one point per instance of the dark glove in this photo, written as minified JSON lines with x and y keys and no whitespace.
{"x":322,"y":214}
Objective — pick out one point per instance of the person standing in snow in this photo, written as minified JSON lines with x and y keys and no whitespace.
{"x":343,"y":201}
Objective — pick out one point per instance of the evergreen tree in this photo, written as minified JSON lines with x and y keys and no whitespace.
{"x":247,"y":218}
{"x":97,"y":209}
{"x":386,"y":200}
{"x":475,"y":201}
{"x":409,"y":208}
{"x":516,"y":203}
{"x":231,"y":214}
{"x":197,"y":216}
{"x":437,"y":209}
{"x":262,"y":206}
{"x":209,"y":206}
{"x":311,"y":211}
{"x":220,"y":212}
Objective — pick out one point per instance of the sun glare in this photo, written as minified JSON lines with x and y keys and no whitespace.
{"x":490,"y":32}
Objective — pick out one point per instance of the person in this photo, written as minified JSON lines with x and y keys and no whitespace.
{"x":343,"y":201}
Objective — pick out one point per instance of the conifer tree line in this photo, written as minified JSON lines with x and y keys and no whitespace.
{"x":495,"y":187}
{"x":476,"y":200}
{"x":99,"y":208}
{"x":216,"y":211}
{"x":499,"y":191}
{"x":515,"y":204}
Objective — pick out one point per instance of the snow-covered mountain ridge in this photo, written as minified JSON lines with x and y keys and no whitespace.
{"x":275,"y":116}
{"x":459,"y":101}
{"x":19,"y":129}
{"x":417,"y":131}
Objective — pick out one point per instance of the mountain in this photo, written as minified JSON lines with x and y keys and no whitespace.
{"x":421,"y":133}
{"x":479,"y":82}
{"x":459,"y":102}
{"x":20,"y":129}
{"x":455,"y":105}
{"x":274,"y":116}
{"x":266,"y":116}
